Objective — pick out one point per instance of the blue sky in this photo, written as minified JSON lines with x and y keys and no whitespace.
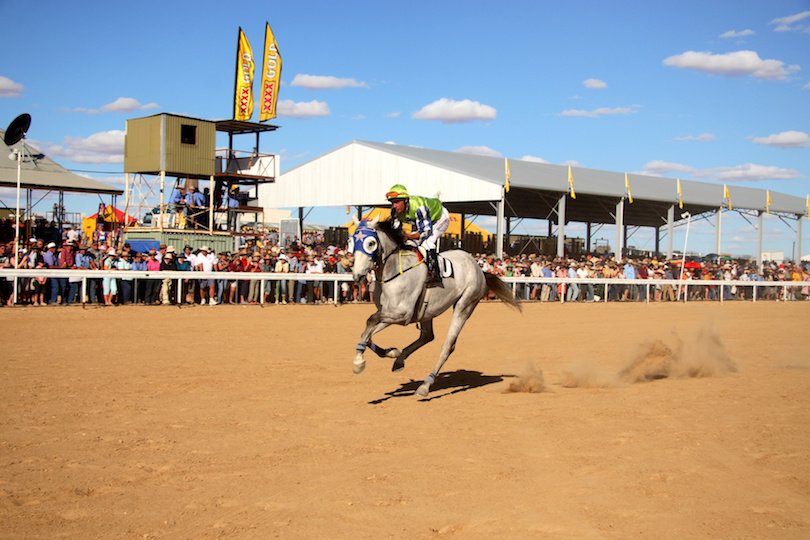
{"x":715,"y":91}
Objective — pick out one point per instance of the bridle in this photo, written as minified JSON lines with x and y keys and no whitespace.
{"x":367,"y":241}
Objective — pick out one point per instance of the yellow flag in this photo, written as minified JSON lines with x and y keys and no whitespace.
{"x":768,"y":201}
{"x":627,"y":187}
{"x":271,"y":76}
{"x":680,"y":195}
{"x":727,"y":196}
{"x":243,"y":91}
{"x":508,"y":175}
{"x":571,"y":183}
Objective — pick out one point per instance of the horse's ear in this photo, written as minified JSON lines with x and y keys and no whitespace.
{"x":373,"y":222}
{"x":356,"y":221}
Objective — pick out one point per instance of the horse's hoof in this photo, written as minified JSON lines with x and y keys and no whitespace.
{"x":423,"y":391}
{"x":359,"y":366}
{"x":393,"y":353}
{"x":399,"y":365}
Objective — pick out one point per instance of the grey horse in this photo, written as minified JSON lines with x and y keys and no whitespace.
{"x":402,"y":298}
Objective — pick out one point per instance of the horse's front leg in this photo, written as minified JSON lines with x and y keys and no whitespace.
{"x":373,"y":325}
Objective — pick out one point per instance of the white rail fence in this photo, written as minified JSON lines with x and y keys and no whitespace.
{"x":642,"y":290}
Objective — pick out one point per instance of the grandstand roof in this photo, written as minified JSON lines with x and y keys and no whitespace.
{"x":360,"y":172}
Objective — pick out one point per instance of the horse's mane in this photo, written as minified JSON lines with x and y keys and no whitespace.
{"x":394,"y":233}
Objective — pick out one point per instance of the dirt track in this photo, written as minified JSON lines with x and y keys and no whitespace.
{"x":247,"y":422}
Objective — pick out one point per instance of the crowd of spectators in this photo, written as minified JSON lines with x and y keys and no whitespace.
{"x":312,"y":256}
{"x":589,"y":267}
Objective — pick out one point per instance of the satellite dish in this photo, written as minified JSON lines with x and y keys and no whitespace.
{"x":17,"y":129}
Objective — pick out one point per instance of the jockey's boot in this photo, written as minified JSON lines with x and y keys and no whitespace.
{"x":435,"y":275}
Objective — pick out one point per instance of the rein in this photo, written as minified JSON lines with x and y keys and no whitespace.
{"x":399,"y":250}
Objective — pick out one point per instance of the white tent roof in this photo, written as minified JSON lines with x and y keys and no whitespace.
{"x":360,"y":172}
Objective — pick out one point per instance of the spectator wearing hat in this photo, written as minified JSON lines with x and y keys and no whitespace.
{"x":282,"y":266}
{"x":138,"y":265}
{"x":204,"y":262}
{"x":125,"y":283}
{"x":109,"y":285}
{"x":329,"y":267}
{"x":84,"y":261}
{"x":235,"y":265}
{"x":169,"y":290}
{"x":177,"y":202}
{"x":51,"y":260}
{"x":151,"y":295}
{"x":267,"y":266}
{"x":221,"y":265}
{"x":183,"y":266}
{"x":254,"y":266}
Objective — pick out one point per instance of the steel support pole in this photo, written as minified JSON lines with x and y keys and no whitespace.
{"x":797,"y":249}
{"x":499,"y":228}
{"x":561,"y":226}
{"x":619,"y":229}
{"x":718,"y":232}
{"x":670,"y":229}
{"x":760,"y":229}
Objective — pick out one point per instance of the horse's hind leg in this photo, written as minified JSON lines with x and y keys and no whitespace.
{"x":460,"y":316}
{"x":425,"y":337}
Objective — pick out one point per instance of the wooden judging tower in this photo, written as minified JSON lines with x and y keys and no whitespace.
{"x":167,"y":154}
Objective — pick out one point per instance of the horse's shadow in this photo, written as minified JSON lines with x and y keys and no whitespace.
{"x":455,"y":381}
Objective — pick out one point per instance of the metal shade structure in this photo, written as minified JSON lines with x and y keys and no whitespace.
{"x":42,"y":173}
{"x":359,"y":173}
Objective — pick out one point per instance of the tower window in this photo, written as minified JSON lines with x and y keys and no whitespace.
{"x":188,"y":134}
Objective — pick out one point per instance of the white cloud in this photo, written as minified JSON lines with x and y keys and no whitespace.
{"x":703,"y":137}
{"x":127,"y":104}
{"x":393,"y":114}
{"x":733,"y":64}
{"x":122,"y":104}
{"x":740,"y":173}
{"x":788,"y":24}
{"x":102,"y":147}
{"x":658,"y":167}
{"x":303,"y":109}
{"x":601,"y":111}
{"x":534,"y":159}
{"x":9,"y":88}
{"x":737,"y":34}
{"x":325,"y":82}
{"x":594,"y":83}
{"x":449,"y":111}
{"x":785,"y":139}
{"x":479,"y":151}
{"x":750,"y":172}
{"x":806,"y":86}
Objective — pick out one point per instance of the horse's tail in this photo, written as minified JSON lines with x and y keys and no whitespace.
{"x":502,"y":291}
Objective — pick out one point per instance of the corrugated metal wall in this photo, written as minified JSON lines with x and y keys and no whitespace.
{"x":145,"y":141}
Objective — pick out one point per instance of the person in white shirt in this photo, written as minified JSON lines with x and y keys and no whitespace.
{"x":204,"y":262}
{"x":315,"y":266}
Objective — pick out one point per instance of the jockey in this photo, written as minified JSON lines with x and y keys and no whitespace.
{"x":430,"y":218}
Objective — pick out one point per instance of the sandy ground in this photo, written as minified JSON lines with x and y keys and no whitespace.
{"x":247,"y":422}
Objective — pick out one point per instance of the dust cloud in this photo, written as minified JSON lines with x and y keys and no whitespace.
{"x":530,"y":381}
{"x":700,"y":355}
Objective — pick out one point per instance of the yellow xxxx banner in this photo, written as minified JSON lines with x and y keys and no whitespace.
{"x":271,"y":76}
{"x":243,"y":91}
